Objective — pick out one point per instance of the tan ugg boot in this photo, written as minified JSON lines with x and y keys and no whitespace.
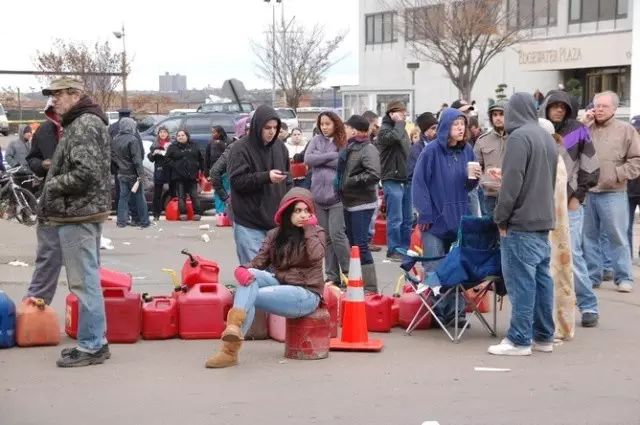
{"x":227,"y":356}
{"x":235,"y":320}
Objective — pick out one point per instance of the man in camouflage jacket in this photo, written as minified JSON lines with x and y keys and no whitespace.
{"x":75,"y":199}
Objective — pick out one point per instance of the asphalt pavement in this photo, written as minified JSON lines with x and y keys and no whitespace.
{"x":594,"y":379}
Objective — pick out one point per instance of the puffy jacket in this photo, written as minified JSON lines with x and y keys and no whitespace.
{"x":359,"y":169}
{"x":440,"y":183}
{"x":321,"y":156}
{"x":304,"y":266}
{"x":161,"y":165}
{"x":394,"y":145}
{"x":185,"y":160}
{"x":77,"y":188}
{"x":18,"y":149}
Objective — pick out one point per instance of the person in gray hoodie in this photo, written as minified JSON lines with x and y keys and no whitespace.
{"x":127,"y":154}
{"x":18,"y":149}
{"x":525,"y":213}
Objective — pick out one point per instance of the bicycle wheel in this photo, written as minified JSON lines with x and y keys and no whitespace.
{"x":26,"y":207}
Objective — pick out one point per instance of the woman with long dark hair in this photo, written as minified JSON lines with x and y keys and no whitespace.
{"x":186,"y":162}
{"x":322,"y":158}
{"x":285,"y":278}
{"x":161,"y":169}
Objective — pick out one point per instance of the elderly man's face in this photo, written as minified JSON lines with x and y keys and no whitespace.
{"x":63,"y":101}
{"x":604,"y":108}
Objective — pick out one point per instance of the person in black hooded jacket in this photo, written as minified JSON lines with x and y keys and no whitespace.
{"x":258,"y":169}
{"x":186,"y":163}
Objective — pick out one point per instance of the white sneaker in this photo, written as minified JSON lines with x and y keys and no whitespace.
{"x":506,"y":348}
{"x":543,"y":347}
{"x":625,"y":287}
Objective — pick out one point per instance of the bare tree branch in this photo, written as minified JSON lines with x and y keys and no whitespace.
{"x":462,"y":36}
{"x":301,"y":58}
{"x":76,"y":56}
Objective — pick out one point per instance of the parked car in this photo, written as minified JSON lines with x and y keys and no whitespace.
{"x":288,"y":116}
{"x":113,"y":116}
{"x":149,"y":121}
{"x":4,"y":122}
{"x":198,"y":124}
{"x":205,"y":197}
{"x":245,"y":107}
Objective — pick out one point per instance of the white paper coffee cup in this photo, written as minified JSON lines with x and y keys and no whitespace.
{"x":472,"y":166}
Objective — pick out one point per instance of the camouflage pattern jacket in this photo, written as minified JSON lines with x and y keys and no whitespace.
{"x":77,"y":188}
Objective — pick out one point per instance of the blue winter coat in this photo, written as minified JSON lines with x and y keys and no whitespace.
{"x":440,"y":185}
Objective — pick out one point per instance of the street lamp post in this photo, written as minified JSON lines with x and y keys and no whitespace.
{"x":273,"y":51}
{"x":121,"y":35}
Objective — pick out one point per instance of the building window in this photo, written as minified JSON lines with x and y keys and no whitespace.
{"x":597,"y":10}
{"x":423,"y":21}
{"x":380,"y":29}
{"x":532,"y":13}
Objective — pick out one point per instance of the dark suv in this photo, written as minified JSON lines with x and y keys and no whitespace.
{"x":197,"y":124}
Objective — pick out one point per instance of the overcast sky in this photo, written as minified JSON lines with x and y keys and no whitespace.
{"x":208,"y":41}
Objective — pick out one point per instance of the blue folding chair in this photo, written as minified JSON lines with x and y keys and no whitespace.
{"x":472,"y":262}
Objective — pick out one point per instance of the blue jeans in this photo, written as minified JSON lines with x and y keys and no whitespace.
{"x":268,"y":294}
{"x":634,"y":202}
{"x":80,"y":244}
{"x":587,"y":300}
{"x":126,"y":183}
{"x":489,"y":203}
{"x":248,"y":242}
{"x":433,"y":246}
{"x":525,"y":268}
{"x":474,"y":202}
{"x":357,"y":230}
{"x":607,"y":213}
{"x":397,"y":197}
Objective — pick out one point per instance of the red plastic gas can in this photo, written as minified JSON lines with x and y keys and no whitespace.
{"x":124,"y":315}
{"x":160,"y":318}
{"x":108,"y":279}
{"x":378,"y":310}
{"x":484,"y":304}
{"x":115,"y":279}
{"x":277,"y":327}
{"x":380,"y":234}
{"x":410,"y":303}
{"x":298,"y":170}
{"x":395,"y":312}
{"x":36,"y":324}
{"x":203,"y":311}
{"x":308,"y":337}
{"x":197,"y":269}
{"x":172,"y":212}
{"x":332,"y":303}
{"x":223,"y":220}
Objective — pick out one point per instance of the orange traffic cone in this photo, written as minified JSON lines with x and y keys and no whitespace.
{"x":354,"y":321}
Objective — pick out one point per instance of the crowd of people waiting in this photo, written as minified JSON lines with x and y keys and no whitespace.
{"x":555,"y":186}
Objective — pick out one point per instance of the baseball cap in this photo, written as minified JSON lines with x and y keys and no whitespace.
{"x":461,"y":105}
{"x":635,"y":122}
{"x":61,"y":84}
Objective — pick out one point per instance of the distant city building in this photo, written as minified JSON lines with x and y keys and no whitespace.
{"x":172,"y":83}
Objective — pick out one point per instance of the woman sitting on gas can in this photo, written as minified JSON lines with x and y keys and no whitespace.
{"x":294,"y":251}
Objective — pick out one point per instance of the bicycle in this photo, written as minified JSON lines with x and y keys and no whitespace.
{"x":16,"y":201}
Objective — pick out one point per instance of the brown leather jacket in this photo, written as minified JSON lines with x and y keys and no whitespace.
{"x":304,"y":269}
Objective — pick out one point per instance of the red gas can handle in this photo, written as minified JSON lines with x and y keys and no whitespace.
{"x":210,"y":287}
{"x":162,"y":300}
{"x":113,"y":292}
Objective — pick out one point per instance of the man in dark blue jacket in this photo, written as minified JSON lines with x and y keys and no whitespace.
{"x":525,"y":214}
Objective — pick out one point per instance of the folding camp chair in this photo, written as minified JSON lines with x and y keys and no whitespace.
{"x":473,"y":262}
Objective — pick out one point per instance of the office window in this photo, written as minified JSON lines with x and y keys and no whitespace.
{"x":597,"y":10}
{"x":379,"y":28}
{"x":532,"y":13}
{"x":419,"y":18}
